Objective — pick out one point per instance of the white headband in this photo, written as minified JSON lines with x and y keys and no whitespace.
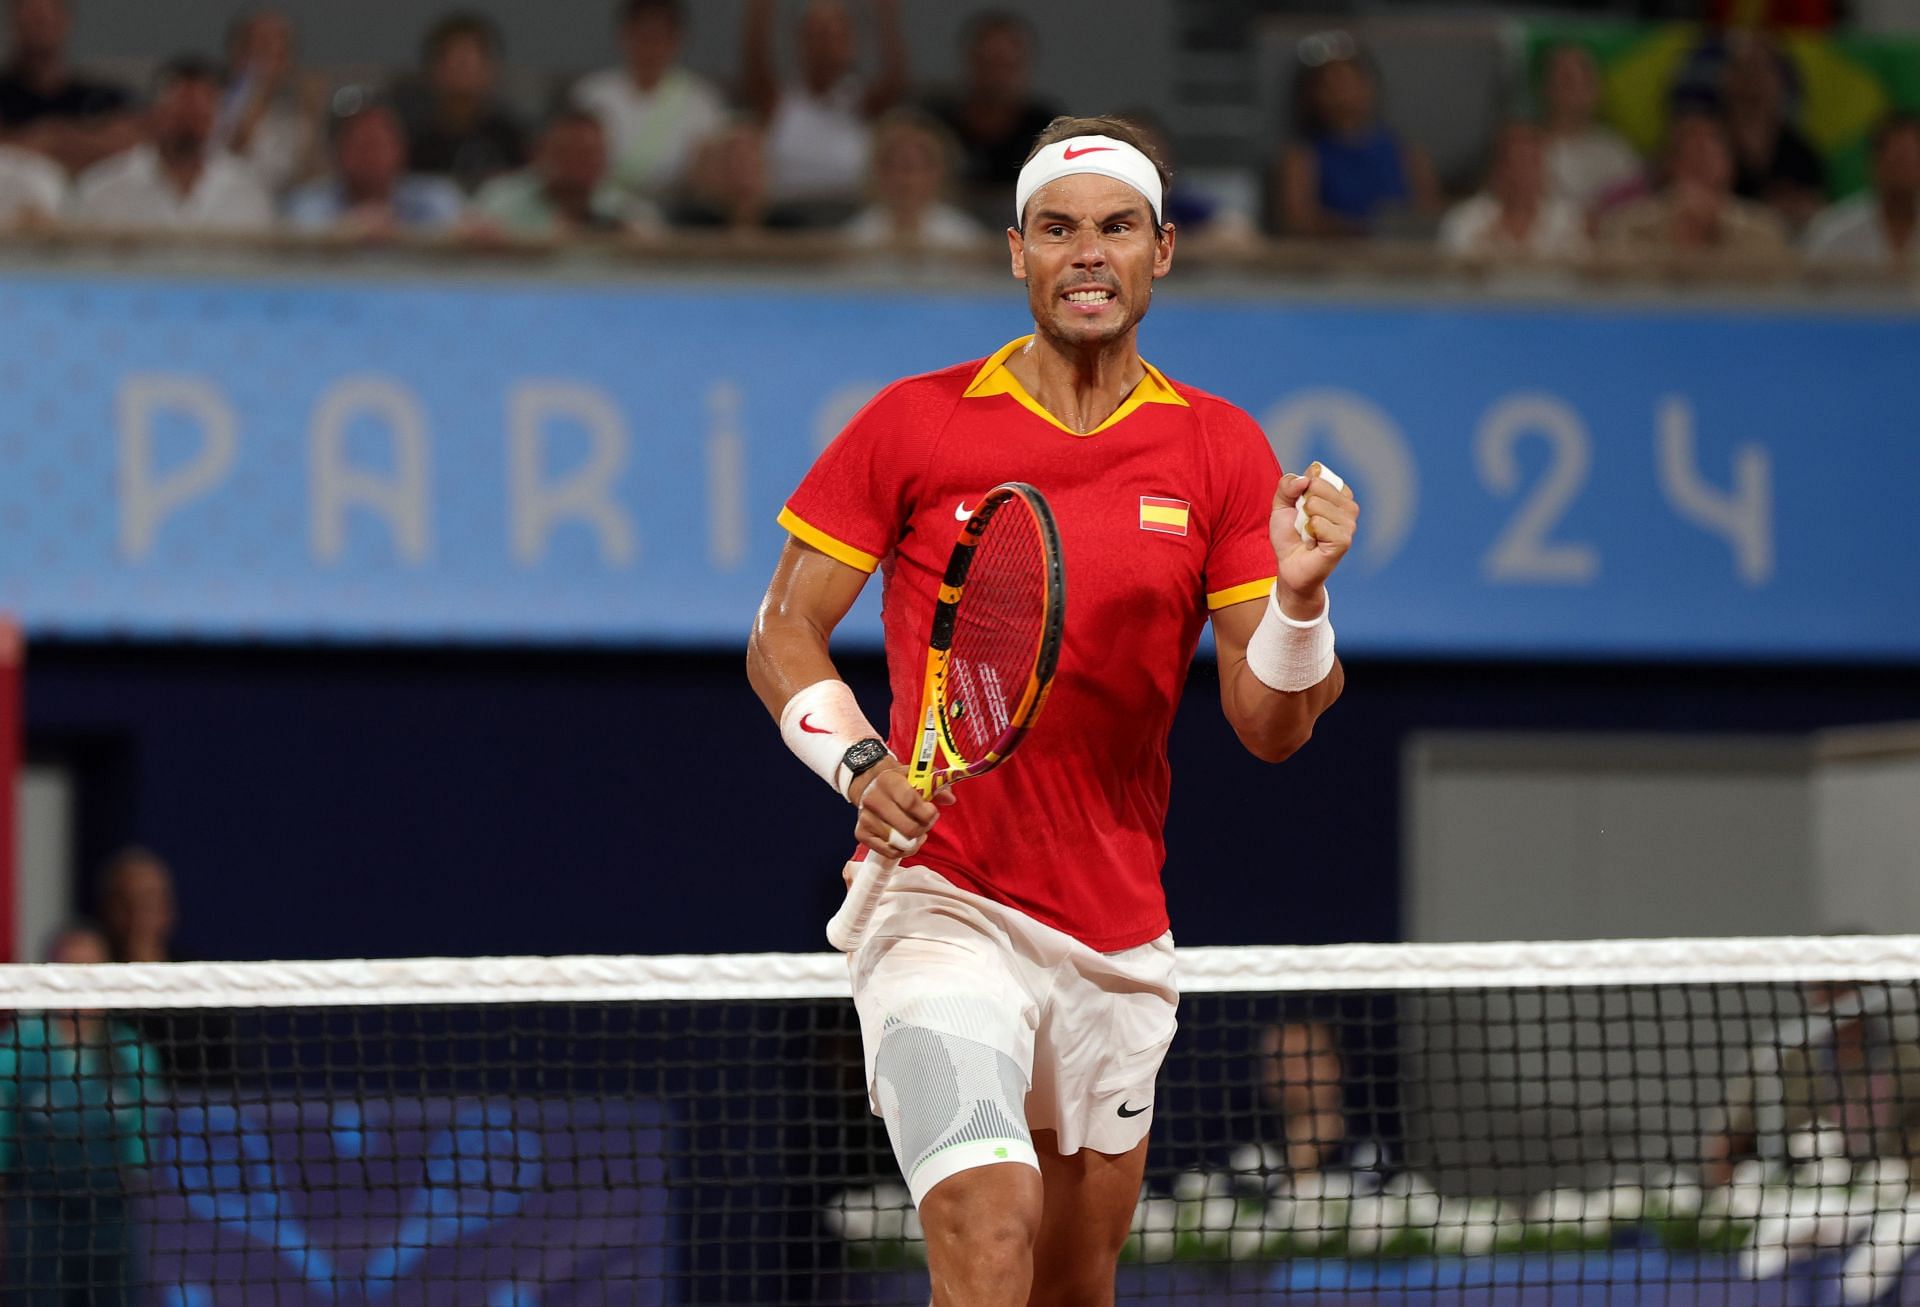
{"x":1100,"y":155}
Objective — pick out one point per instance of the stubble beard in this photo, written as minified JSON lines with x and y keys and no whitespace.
{"x":1059,"y":326}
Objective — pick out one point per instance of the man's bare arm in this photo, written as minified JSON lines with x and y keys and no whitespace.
{"x":1272,"y":722}
{"x":808,"y":597}
{"x":787,"y":651}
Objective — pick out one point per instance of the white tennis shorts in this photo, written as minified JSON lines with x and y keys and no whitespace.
{"x":981,"y":1025}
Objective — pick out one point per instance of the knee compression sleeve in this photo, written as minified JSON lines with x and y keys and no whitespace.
{"x":950,"y":1104}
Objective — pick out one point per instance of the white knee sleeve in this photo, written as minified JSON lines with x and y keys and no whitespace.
{"x":950,"y":1104}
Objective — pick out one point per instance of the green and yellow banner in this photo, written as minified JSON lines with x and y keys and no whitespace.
{"x":1847,"y":83}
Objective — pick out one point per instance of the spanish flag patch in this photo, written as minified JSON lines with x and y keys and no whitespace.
{"x":1168,"y":515}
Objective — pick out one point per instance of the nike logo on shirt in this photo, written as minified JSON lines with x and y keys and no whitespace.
{"x":962,"y":513}
{"x":1124,"y":1110}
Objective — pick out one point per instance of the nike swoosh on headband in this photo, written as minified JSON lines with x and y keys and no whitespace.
{"x":1070,"y":157}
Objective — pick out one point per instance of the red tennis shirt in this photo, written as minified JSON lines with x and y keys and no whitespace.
{"x":1163,"y":516}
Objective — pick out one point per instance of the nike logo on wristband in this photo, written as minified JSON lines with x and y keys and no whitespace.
{"x":1124,"y":1110}
{"x":812,"y":730}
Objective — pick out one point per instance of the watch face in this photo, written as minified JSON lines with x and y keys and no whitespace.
{"x":864,"y":755}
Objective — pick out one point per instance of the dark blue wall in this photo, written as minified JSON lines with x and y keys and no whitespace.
{"x":363,"y":802}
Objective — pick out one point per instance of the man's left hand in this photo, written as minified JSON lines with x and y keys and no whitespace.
{"x":1303,"y":565}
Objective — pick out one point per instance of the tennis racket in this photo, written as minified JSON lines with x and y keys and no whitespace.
{"x":990,"y":660}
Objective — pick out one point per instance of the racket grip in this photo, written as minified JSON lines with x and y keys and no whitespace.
{"x":849,"y":924}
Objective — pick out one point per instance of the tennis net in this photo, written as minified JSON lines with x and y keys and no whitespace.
{"x":1719,"y":1122}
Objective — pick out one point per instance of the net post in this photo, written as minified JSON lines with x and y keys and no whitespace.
{"x":12,"y":656}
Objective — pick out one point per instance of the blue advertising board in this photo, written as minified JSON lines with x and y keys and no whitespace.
{"x":394,"y":1201}
{"x":429,"y":462}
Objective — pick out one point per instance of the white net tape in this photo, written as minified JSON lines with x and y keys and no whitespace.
{"x":761,"y":976}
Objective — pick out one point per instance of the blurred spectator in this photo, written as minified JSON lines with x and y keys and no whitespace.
{"x":45,"y":106}
{"x":179,"y":180}
{"x":1851,"y":1066}
{"x":1195,"y":211}
{"x":913,"y":167}
{"x":567,"y":190}
{"x":1879,"y":225}
{"x":137,"y":906}
{"x":818,"y":142}
{"x":455,"y":124}
{"x":1302,"y":1080}
{"x":727,"y":187}
{"x":75,"y":1088}
{"x":1348,"y":173}
{"x":1517,"y":215}
{"x":994,"y":114}
{"x":33,"y":189}
{"x":1586,"y":161}
{"x":656,"y":112}
{"x":270,"y":116}
{"x":370,"y":194}
{"x":139,"y":915}
{"x":1773,"y":162}
{"x":1698,"y":209}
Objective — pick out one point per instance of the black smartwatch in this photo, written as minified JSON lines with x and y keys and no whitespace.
{"x":863,"y":757}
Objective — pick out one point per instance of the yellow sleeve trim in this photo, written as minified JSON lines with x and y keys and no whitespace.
{"x":807,"y":533}
{"x":1239,"y":594}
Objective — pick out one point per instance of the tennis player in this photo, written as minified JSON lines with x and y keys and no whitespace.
{"x":1016,"y":989}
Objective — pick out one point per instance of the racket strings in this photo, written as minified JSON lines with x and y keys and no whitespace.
{"x":997,"y":630}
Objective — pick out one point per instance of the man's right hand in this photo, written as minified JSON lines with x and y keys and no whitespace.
{"x":887,"y":804}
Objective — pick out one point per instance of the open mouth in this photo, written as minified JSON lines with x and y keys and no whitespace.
{"x":1090,"y":298}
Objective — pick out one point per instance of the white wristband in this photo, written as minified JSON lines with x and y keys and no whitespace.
{"x":820,"y":723}
{"x":1289,"y":655}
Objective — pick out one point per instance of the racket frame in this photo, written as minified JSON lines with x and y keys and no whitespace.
{"x":936,"y":735}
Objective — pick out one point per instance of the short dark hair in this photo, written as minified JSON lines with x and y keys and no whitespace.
{"x":131,"y":855}
{"x":461,"y":25}
{"x":631,"y":10}
{"x":1066,"y":127}
{"x":1313,"y":57}
{"x":353,"y":102}
{"x":1696,"y":111}
{"x":186,"y":68}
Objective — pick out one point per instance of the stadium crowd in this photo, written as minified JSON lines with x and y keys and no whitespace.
{"x":252,"y":142}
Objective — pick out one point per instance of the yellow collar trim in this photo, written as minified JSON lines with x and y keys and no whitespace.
{"x":996,"y":378}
